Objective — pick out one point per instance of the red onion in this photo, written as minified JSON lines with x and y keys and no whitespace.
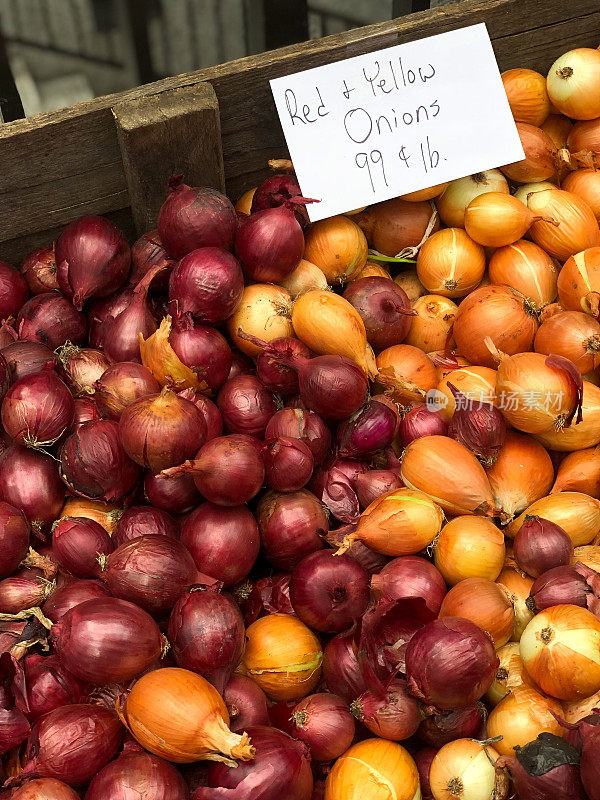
{"x":413,"y":580}
{"x":246,"y":405}
{"x":37,"y":409}
{"x":102,"y":313}
{"x":450,"y":663}
{"x":26,"y":358}
{"x":206,"y":632}
{"x":14,"y":538}
{"x":93,"y":259}
{"x":161,"y":430}
{"x":25,"y":589}
{"x":141,"y":521}
{"x":72,"y":594}
{"x":29,"y":481}
{"x":547,"y":767}
{"x":267,"y":596}
{"x":391,"y":714}
{"x":228,"y":470}
{"x":123,"y":384}
{"x":8,"y":334}
{"x":203,"y":349}
{"x":72,"y":743}
{"x":151,"y":571}
{"x":274,"y":191}
{"x":291,"y":526}
{"x":93,"y":463}
{"x":194,"y":217}
{"x":14,"y":726}
{"x":137,"y":775}
{"x":77,"y":543}
{"x":372,"y":428}
{"x":13,"y":290}
{"x":585,"y":735}
{"x":212,"y":533}
{"x":207,"y":284}
{"x":384,"y":308}
{"x":307,"y":426}
{"x":423,"y":759}
{"x":541,"y":545}
{"x":50,"y":318}
{"x":466,"y":723}
{"x":280,"y":769}
{"x":44,"y":789}
{"x":329,"y":592}
{"x":334,"y":484}
{"x":39,"y":270}
{"x":210,"y":412}
{"x":288,"y":464}
{"x":270,"y":243}
{"x":81,"y":368}
{"x":49,"y":685}
{"x":279,"y":379}
{"x":479,"y":426}
{"x":147,"y":253}
{"x":246,"y":703}
{"x":84,"y":410}
{"x":106,"y":640}
{"x":240,"y":364}
{"x":368,"y":559}
{"x":177,"y":495}
{"x":323,"y":722}
{"x":372,"y":484}
{"x":419,"y":421}
{"x":122,"y":336}
{"x":575,"y":586}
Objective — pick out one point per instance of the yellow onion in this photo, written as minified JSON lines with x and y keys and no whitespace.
{"x":449,"y":473}
{"x":265,"y":311}
{"x":518,"y":585}
{"x":178,"y":715}
{"x":526,"y":268}
{"x":453,"y":203}
{"x":495,"y":219}
{"x":374,"y":769}
{"x":159,"y":357}
{"x":589,"y":555}
{"x":410,"y":283}
{"x":511,"y":673}
{"x":105,"y":514}
{"x":477,"y":384}
{"x":304,"y":278}
{"x":584,"y":138}
{"x":405,"y":373}
{"x":541,"y":156}
{"x":371,"y":270}
{"x":561,"y":651}
{"x":564,"y":224}
{"x":483,"y":602}
{"x":469,"y":547}
{"x":527,"y":95}
{"x":520,"y":717}
{"x":424,"y":194}
{"x":579,"y":472}
{"x":430,"y":328}
{"x":575,"y":512}
{"x":330,"y":325}
{"x":445,"y":364}
{"x":399,"y":523}
{"x":450,"y":263}
{"x":578,"y":709}
{"x":465,"y":768}
{"x":337,"y":246}
{"x":558,"y":127}
{"x":579,"y":282}
{"x":522,"y":473}
{"x":396,"y":224}
{"x":523,"y":191}
{"x":244,"y":204}
{"x":582,"y":435}
{"x":585,"y":183}
{"x":573,"y":83}
{"x":573,"y":335}
{"x":282,"y":656}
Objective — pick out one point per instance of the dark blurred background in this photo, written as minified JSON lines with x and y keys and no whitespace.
{"x":57,"y":52}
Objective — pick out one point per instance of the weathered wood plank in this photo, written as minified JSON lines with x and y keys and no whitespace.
{"x":175,"y":131}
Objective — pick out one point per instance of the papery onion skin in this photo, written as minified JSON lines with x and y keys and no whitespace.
{"x":81,"y":368}
{"x":371,"y":429}
{"x":375,"y":483}
{"x":579,"y":472}
{"x":139,"y":521}
{"x":540,"y":160}
{"x":418,"y":421}
{"x":467,"y":768}
{"x":270,"y":244}
{"x":25,"y":589}
{"x":265,"y":311}
{"x":573,"y":335}
{"x":291,"y":526}
{"x":469,"y":547}
{"x":246,"y":703}
{"x":49,"y":685}
{"x":44,"y":789}
{"x":134,"y":775}
{"x":301,"y":424}
{"x":480,"y":427}
{"x":333,"y":386}
{"x":25,"y":358}
{"x":202,"y":349}
{"x":50,"y":318}
{"x":391,"y":714}
{"x":450,"y":263}
{"x":30,"y":482}
{"x":208,"y":284}
{"x":13,"y":290}
{"x":395,"y":224}
{"x":527,"y":268}
{"x":64,"y":598}
{"x":406,"y":373}
{"x":77,"y":543}
{"x":453,"y":201}
{"x":14,"y":538}
{"x":527,"y":95}
{"x":341,"y":668}
{"x":573,"y":83}
{"x":323,"y":722}
{"x":483,"y":602}
{"x":122,"y":384}
{"x":546,"y":767}
{"x":37,"y":409}
{"x":577,"y":227}
{"x":102,"y":313}
{"x":410,"y":578}
{"x":106,"y":514}
{"x":147,"y":252}
{"x":246,"y":405}
{"x":521,"y":716}
{"x":288,"y":464}
{"x":575,"y":512}
{"x":439,"y":729}
{"x":541,"y":545}
{"x":210,"y":412}
{"x":384,"y":309}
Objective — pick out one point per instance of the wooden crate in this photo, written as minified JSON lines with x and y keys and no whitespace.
{"x":219,"y":126}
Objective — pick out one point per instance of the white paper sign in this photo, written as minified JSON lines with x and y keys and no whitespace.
{"x":397,"y":120}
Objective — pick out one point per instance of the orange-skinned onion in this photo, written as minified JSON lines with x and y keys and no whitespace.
{"x":541,"y":156}
{"x":558,"y":127}
{"x":469,"y":547}
{"x":564,"y":224}
{"x":453,"y":203}
{"x":522,"y":473}
{"x":526,"y":189}
{"x":444,"y":365}
{"x":166,"y":366}
{"x":499,"y":313}
{"x":579,"y":472}
{"x":585,"y":183}
{"x":450,"y":263}
{"x":520,"y":717}
{"x":429,"y":330}
{"x":449,"y":473}
{"x":575,"y":512}
{"x":282,"y":656}
{"x":371,"y":270}
{"x":518,"y":585}
{"x":582,"y":435}
{"x":405,"y":373}
{"x":105,"y":514}
{"x":399,"y":523}
{"x":337,"y":246}
{"x":573,"y":335}
{"x":244,"y":204}
{"x":588,"y":554}
{"x":376,"y":769}
{"x":495,"y":219}
{"x":584,"y":138}
{"x":395,"y":224}
{"x":579,"y":709}
{"x":477,"y":384}
{"x":265,"y":311}
{"x":561,"y":651}
{"x":579,"y":282}
{"x":527,"y":95}
{"x":303,"y":278}
{"x":465,"y":769}
{"x":424,"y":194}
{"x":511,"y":673}
{"x":409,"y":281}
{"x":527,"y":268}
{"x":178,"y":715}
{"x":573,"y":83}
{"x":484,"y":603}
